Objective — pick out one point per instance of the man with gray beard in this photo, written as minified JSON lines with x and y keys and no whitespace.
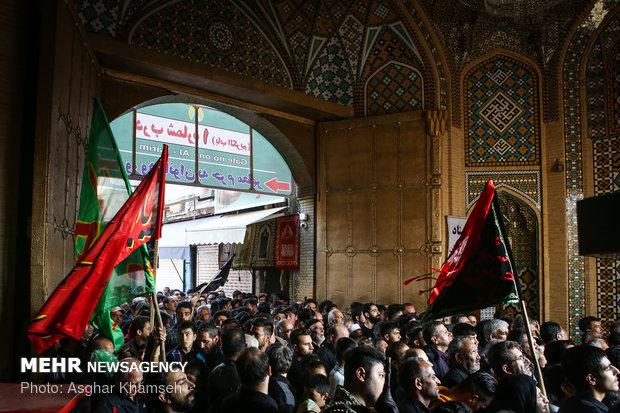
{"x":317,"y":332}
{"x":464,"y":360}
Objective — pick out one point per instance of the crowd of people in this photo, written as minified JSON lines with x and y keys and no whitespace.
{"x":249,"y":353}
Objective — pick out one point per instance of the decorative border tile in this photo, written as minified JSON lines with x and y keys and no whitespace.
{"x":525,"y":183}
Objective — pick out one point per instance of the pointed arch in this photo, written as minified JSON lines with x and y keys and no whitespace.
{"x":522,"y":219}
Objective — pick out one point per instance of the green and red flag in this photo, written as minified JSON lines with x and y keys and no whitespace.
{"x":479,"y":271}
{"x":105,"y":188}
{"x":68,"y":310}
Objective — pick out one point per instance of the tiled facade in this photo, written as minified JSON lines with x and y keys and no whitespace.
{"x":497,"y":77}
{"x":502,"y":126}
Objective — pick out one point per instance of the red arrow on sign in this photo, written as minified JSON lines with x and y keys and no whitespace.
{"x":276,"y":185}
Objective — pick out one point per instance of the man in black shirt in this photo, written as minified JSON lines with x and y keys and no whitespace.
{"x":593,"y":375}
{"x":420,"y":385}
{"x":253,"y":367}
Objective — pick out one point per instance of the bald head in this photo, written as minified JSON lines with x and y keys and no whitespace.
{"x":336,"y":332}
{"x":416,"y":352}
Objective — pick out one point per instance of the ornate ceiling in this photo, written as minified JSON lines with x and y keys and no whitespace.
{"x":377,"y":56}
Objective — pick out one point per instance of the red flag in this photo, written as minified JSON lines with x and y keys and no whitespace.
{"x":67,"y":311}
{"x":467,"y":243}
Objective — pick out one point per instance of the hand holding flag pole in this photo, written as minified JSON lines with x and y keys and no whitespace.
{"x":160,"y":323}
{"x":69,"y":308}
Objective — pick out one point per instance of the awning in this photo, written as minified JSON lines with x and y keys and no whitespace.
{"x":227,"y":229}
{"x":173,"y":242}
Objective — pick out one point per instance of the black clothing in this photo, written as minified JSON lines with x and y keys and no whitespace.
{"x":327,"y":354}
{"x":453,"y":377}
{"x":212,"y":361}
{"x":515,"y":392}
{"x":116,"y":403}
{"x":433,"y":357}
{"x":296,"y":378}
{"x":250,"y":401}
{"x":223,"y":381}
{"x":410,"y":405}
{"x":368,"y":332}
{"x":282,"y":393}
{"x":583,"y":404}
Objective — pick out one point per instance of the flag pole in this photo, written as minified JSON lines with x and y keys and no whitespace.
{"x":162,"y":344}
{"x":530,"y":338}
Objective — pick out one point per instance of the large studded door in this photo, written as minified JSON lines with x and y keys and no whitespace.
{"x":378,"y":207}
{"x":68,"y":79}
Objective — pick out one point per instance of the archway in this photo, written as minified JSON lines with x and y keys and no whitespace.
{"x":233,"y":178}
{"x":523,"y":231}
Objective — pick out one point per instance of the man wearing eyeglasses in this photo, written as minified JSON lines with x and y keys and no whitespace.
{"x":506,"y":357}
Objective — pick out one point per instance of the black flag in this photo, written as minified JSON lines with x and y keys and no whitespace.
{"x":219,"y":280}
{"x":480,"y":271}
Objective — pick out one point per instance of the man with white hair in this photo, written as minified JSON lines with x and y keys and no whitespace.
{"x":335,"y":316}
{"x":495,"y":329}
{"x":317,"y":332}
{"x":464,"y":359}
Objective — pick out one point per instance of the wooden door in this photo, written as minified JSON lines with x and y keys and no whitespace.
{"x":68,"y":79}
{"x":378,"y":208}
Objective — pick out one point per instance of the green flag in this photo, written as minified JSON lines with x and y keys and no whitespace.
{"x":105,"y":188}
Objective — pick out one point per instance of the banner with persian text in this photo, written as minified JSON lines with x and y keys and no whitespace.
{"x":287,"y":242}
{"x":207,"y":147}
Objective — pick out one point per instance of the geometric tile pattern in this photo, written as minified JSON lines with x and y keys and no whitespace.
{"x":500,"y":112}
{"x":437,"y":61}
{"x":388,"y":46}
{"x":573,"y":165}
{"x":612,"y":75}
{"x":392,"y":72}
{"x":284,"y":42}
{"x":467,"y":31}
{"x":394,"y":88}
{"x":596,"y":92}
{"x":99,"y":17}
{"x":603,"y":114}
{"x":524,"y":183}
{"x":606,"y":181}
{"x":214,"y":33}
{"x":522,"y":230}
{"x":329,"y":78}
{"x":502,"y":125}
{"x":351,"y":32}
